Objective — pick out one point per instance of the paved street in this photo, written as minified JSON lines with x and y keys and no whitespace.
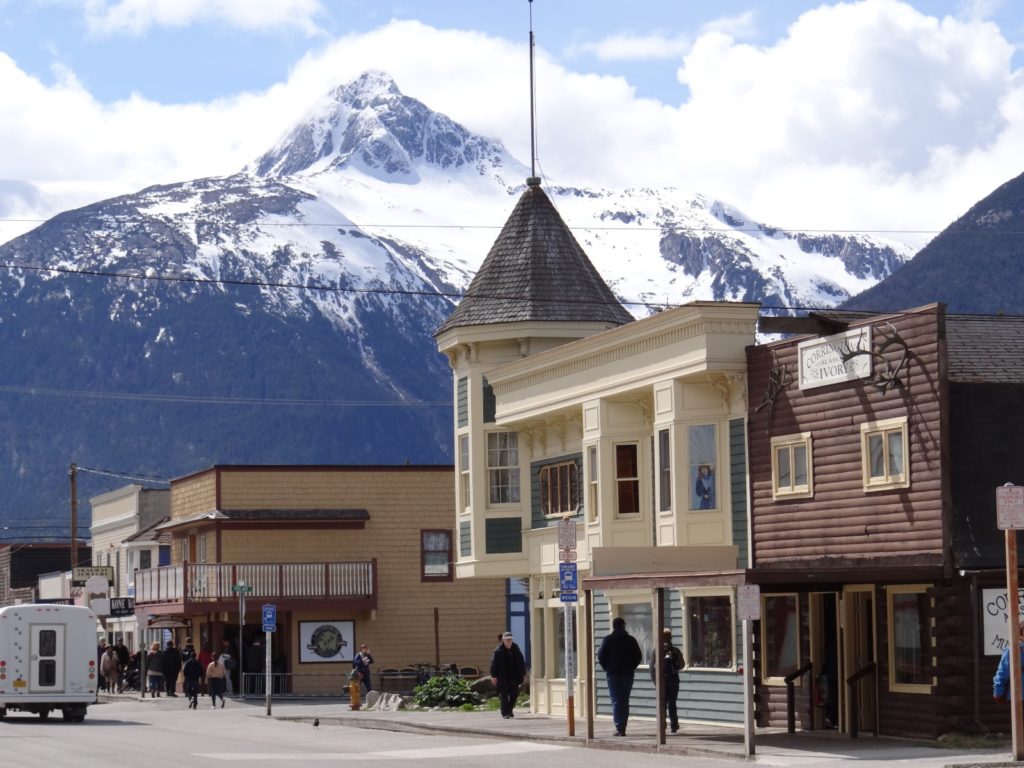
{"x":127,"y":732}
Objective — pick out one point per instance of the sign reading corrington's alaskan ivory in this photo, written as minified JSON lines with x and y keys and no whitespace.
{"x":822,"y":363}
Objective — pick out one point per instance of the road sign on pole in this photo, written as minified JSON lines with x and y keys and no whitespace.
{"x":242,"y":589}
{"x":269,"y":617}
{"x":567,"y":580}
{"x":1010,"y":507}
{"x":566,"y":534}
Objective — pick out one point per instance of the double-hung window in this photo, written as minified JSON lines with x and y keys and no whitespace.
{"x":592,"y":482}
{"x":436,"y":555}
{"x":503,"y":467}
{"x":464,"y":499}
{"x":884,"y":454}
{"x":627,"y":479}
{"x":664,"y":471}
{"x":792,"y":467}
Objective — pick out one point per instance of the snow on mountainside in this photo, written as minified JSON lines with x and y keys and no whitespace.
{"x":317,"y":276}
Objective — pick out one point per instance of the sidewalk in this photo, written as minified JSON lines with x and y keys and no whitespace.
{"x":773,"y":746}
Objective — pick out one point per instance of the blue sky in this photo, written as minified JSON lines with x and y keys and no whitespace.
{"x":874,"y":114}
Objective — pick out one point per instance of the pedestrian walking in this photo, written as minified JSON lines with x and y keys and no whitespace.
{"x":619,"y":656}
{"x":669,"y":661}
{"x":192,"y":672}
{"x":205,"y":657}
{"x":361,"y":664}
{"x":215,"y":677}
{"x":508,"y":669}
{"x":171,"y":666}
{"x":154,"y":671}
{"x":110,"y":669}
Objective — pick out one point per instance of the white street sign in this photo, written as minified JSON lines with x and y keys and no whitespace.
{"x":1010,"y":507}
{"x":748,"y":602}
{"x":566,"y":534}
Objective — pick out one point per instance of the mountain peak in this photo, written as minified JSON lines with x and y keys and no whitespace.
{"x":370,"y":125}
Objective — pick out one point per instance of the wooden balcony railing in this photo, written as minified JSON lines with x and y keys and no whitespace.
{"x":213,"y":582}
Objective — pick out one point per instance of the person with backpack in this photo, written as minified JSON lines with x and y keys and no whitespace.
{"x":669,"y":660}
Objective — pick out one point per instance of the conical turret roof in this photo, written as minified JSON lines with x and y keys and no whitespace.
{"x":536,"y":271}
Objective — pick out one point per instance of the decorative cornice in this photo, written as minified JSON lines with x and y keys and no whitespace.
{"x":697,"y":327}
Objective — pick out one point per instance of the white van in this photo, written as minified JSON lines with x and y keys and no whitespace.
{"x":48,"y":659}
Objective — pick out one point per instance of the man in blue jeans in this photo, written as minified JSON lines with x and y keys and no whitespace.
{"x":619,"y":656}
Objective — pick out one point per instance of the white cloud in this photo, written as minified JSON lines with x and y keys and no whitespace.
{"x":864,"y":115}
{"x":741,"y":26}
{"x":633,"y":47}
{"x":136,"y":16}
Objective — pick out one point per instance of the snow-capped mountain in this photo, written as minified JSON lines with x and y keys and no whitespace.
{"x":285,"y":313}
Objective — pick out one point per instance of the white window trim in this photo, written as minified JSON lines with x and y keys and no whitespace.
{"x":902,"y":589}
{"x":780,"y":679}
{"x":711,"y":592}
{"x":874,"y":427}
{"x":662,"y":508}
{"x":791,"y":441}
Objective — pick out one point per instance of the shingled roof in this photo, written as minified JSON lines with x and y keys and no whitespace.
{"x":536,"y":271}
{"x":985,"y":349}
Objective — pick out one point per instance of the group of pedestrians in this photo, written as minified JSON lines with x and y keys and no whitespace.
{"x":113,"y":661}
{"x":620,"y":655}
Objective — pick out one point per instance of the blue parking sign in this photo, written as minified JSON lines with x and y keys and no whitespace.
{"x":567,"y":577}
{"x":269,"y":617}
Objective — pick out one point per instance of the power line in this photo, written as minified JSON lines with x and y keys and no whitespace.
{"x":763,"y":229}
{"x":219,"y":400}
{"x":124,"y":475}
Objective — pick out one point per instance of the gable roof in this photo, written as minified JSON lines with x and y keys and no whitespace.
{"x":536,"y":271}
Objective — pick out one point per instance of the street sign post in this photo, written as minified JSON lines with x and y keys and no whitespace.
{"x":1010,"y":518}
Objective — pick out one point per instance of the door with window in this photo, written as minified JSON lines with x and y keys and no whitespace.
{"x":46,"y":658}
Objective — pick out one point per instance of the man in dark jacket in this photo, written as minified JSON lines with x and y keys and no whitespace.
{"x":508,"y":669}
{"x":171,"y":668}
{"x":670,"y":662}
{"x":619,"y":656}
{"x":192,"y":672}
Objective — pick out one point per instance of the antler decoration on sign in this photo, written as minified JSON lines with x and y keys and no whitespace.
{"x":886,"y":337}
{"x":778,"y":379}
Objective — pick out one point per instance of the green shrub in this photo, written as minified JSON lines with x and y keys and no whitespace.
{"x":445,"y":691}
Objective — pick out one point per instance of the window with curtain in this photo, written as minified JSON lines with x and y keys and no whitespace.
{"x":436,"y":555}
{"x":640,"y":624}
{"x":910,"y":646}
{"x":780,"y":635}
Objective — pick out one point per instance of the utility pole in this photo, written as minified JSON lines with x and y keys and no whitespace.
{"x":73,"y":474}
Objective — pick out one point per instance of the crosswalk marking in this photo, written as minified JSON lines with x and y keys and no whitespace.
{"x":429,"y":753}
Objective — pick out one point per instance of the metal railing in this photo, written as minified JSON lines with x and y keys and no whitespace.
{"x":852,"y":683}
{"x":211,"y":582}
{"x":791,"y":696}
